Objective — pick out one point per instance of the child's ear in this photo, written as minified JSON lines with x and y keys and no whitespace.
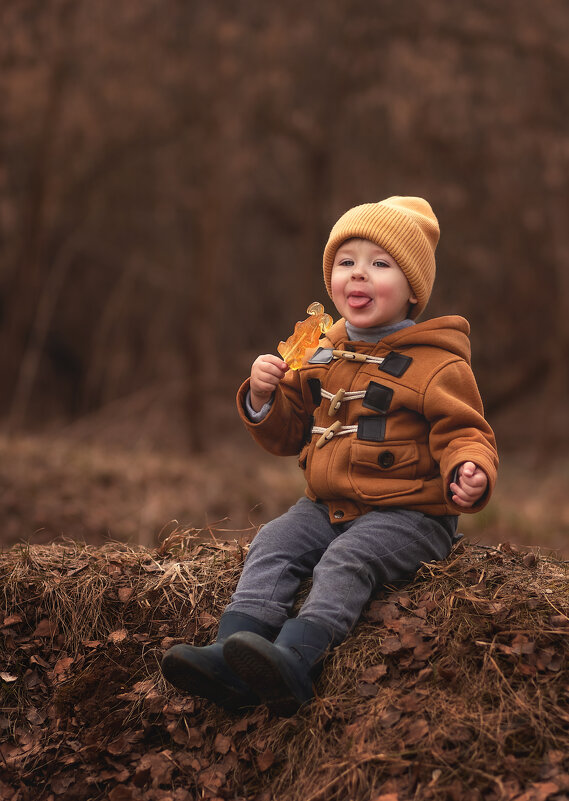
{"x":412,"y":298}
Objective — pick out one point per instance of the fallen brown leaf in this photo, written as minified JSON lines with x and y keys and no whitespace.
{"x":61,"y":783}
{"x":120,"y":635}
{"x":62,"y":666}
{"x":418,"y":729}
{"x":374,"y":673}
{"x":390,"y":645}
{"x":122,"y":793}
{"x":265,"y":760}
{"x":12,"y":620}
{"x":45,"y":628}
{"x":222,"y":743}
{"x":389,"y":716}
{"x":125,"y":594}
{"x":159,"y":765}
{"x":211,"y":779}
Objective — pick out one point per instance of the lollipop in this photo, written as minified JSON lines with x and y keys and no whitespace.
{"x":306,"y":335}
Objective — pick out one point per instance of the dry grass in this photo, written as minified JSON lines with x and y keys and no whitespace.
{"x":455,"y":687}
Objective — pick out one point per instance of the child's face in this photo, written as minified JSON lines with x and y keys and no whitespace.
{"x":368,"y":286}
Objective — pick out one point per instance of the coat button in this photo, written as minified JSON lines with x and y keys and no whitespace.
{"x":386,"y":459}
{"x":338,"y":515}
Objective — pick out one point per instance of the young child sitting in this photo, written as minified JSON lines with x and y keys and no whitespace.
{"x":388,"y":423}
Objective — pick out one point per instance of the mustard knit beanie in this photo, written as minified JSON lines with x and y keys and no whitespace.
{"x":406,"y":227}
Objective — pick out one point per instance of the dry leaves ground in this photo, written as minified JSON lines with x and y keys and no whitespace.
{"x":453,"y":687}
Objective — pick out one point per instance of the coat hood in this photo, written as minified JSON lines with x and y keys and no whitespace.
{"x":449,"y":333}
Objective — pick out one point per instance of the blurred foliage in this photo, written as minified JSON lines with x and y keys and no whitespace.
{"x":170,"y":171}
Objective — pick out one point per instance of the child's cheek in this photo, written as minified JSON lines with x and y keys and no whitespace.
{"x":337,"y":287}
{"x":384,"y":292}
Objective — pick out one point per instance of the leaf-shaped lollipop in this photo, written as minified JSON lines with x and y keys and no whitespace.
{"x":306,"y":335}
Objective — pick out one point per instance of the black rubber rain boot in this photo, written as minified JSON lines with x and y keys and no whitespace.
{"x":203,"y":671}
{"x":282,"y":672}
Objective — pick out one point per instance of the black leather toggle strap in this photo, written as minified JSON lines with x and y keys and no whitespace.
{"x":395,"y":364}
{"x":322,"y":356}
{"x":377,"y":397}
{"x":316,"y":390}
{"x":371,"y":429}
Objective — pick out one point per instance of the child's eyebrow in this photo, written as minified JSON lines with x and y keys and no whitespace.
{"x":348,"y":249}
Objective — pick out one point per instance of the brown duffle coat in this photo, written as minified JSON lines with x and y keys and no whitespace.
{"x":401,"y":422}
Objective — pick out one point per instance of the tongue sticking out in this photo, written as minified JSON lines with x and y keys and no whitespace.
{"x":358,"y":301}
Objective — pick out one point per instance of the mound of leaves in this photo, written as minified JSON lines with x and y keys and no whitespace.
{"x":454,"y":687}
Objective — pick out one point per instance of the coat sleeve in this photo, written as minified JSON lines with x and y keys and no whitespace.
{"x":458,"y":430}
{"x":287,"y":426}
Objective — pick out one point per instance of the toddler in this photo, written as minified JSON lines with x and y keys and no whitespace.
{"x":387,"y":421}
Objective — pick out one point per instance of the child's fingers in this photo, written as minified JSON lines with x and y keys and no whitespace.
{"x":269,"y":374}
{"x":270,"y":358}
{"x":266,"y":374}
{"x":461,"y":498}
{"x":463,"y":492}
{"x":470,"y":487}
{"x":469,"y":474}
{"x":467,"y":469}
{"x":269,"y":364}
{"x":474,"y":482}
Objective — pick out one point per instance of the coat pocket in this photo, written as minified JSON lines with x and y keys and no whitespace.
{"x":383,"y":470}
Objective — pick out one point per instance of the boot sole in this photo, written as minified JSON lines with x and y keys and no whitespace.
{"x":189,"y":678}
{"x":254,"y":663}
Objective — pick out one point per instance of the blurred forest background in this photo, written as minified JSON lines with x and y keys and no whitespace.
{"x":169,"y":173}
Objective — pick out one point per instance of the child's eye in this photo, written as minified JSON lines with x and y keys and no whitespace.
{"x":346,"y":262}
{"x":381,"y":263}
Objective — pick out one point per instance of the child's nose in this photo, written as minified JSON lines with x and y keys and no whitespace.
{"x":358,"y":270}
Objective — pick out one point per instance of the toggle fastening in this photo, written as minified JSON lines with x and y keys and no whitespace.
{"x":340,"y":396}
{"x":333,"y":430}
{"x":350,"y":355}
{"x":336,"y":402}
{"x":328,"y":433}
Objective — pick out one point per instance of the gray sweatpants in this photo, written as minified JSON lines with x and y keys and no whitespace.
{"x":348,"y":562}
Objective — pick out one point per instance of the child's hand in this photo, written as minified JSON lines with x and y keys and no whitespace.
{"x":266,"y":374}
{"x":470,"y":485}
